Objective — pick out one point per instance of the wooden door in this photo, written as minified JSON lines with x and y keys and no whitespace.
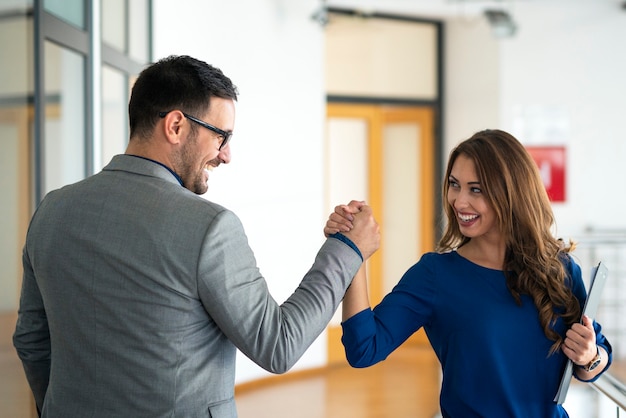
{"x":385,"y":156}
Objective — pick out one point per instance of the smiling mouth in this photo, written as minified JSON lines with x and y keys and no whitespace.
{"x":467,"y":218}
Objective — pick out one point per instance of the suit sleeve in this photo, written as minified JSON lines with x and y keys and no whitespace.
{"x":236,"y":295}
{"x":32,"y":337}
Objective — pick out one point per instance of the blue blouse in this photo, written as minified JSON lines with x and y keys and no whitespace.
{"x":494,"y":354}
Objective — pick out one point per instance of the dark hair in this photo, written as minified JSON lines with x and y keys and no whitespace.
{"x":176,"y":82}
{"x":534,"y":257}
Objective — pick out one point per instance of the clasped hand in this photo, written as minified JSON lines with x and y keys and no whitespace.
{"x":356,"y":221}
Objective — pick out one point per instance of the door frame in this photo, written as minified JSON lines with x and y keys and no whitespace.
{"x":377,"y":116}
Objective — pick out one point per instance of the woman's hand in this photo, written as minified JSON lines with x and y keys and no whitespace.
{"x":580,"y":347}
{"x":580,"y":342}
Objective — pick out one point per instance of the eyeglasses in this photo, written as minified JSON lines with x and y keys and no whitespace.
{"x":224,"y":134}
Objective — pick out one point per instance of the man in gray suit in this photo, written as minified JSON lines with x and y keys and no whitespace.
{"x":137,"y":291}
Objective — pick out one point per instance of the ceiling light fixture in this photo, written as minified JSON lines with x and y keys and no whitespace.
{"x":320,"y":15}
{"x":502,"y":25}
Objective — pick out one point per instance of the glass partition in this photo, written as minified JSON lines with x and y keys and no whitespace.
{"x":139,"y":31}
{"x":114,"y":116}
{"x":16,"y":89}
{"x":114,"y":18}
{"x":71,"y":11}
{"x":64,"y":139}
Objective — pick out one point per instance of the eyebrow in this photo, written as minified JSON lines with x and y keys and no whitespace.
{"x":451,"y":177}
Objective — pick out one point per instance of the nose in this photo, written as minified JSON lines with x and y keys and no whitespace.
{"x":224,"y":154}
{"x":460,"y":200}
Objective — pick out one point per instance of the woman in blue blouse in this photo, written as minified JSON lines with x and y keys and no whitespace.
{"x":500,"y":300}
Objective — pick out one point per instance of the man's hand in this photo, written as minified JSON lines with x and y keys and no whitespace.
{"x":341,"y":219}
{"x":356,"y":221}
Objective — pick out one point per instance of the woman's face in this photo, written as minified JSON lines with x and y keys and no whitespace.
{"x":474,"y":214}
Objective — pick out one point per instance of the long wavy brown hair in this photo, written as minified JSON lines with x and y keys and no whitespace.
{"x":534,"y":257}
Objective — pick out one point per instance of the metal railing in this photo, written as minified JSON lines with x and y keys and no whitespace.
{"x":608,"y":246}
{"x":614,"y":390}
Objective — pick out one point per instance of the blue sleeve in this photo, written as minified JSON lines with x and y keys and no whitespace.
{"x":578,"y":287}
{"x":371,"y":335}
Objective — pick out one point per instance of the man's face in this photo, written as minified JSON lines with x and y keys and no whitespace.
{"x":200,"y":153}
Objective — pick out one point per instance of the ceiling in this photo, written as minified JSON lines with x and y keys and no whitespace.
{"x":424,"y":8}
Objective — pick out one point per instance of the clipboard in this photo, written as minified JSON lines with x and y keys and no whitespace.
{"x":599,"y":275}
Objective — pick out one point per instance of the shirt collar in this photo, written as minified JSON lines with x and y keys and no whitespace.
{"x":162,"y":165}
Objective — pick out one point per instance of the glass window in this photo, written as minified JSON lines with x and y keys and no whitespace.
{"x":64,"y":147}
{"x":72,"y":11}
{"x":15,"y":138}
{"x":138,"y":47}
{"x":114,"y":23}
{"x":13,"y":160}
{"x":114,"y":114}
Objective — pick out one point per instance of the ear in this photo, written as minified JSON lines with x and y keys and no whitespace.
{"x":173,"y":126}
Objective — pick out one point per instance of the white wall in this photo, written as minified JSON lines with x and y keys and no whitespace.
{"x":562,"y":71}
{"x":272,"y":51}
{"x":471,"y":96}
{"x":569,"y":58}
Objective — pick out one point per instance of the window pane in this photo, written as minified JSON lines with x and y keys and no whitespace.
{"x":15,"y":137}
{"x":64,"y":147}
{"x":114,"y":116}
{"x":15,"y":5}
{"x":114,"y":24}
{"x":139,"y":45}
{"x":72,"y":11}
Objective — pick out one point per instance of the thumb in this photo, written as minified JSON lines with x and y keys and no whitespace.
{"x":356,"y":204}
{"x":587,"y":322}
{"x":352,"y":209}
{"x":366,"y":210}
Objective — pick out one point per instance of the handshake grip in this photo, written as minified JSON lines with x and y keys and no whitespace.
{"x":363,"y":230}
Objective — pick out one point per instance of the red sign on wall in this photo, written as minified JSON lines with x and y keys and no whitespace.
{"x":551,"y":163}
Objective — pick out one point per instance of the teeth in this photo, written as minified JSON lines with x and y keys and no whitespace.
{"x":467,"y":218}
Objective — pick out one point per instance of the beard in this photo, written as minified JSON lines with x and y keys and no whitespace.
{"x":188,"y":168}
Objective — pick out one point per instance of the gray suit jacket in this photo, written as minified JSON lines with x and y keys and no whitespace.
{"x":137,"y":292}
